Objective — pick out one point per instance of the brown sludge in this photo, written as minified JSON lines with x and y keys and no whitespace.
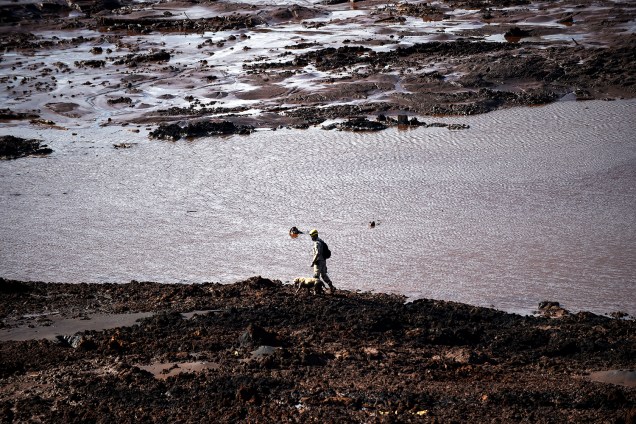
{"x":452,"y":72}
{"x":264,"y":354}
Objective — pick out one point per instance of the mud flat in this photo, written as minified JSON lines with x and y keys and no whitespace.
{"x":267,"y":64}
{"x":263,"y":354}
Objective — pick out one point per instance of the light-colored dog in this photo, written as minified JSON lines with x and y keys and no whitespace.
{"x":312,"y":285}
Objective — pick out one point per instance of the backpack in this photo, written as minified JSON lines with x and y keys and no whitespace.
{"x":326,"y":253}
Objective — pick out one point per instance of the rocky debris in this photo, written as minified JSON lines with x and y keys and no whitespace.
{"x":8,"y":114}
{"x":423,"y":10}
{"x":148,"y":25}
{"x":136,"y":59}
{"x":76,"y":341}
{"x":383,"y":122}
{"x":15,"y":147}
{"x":258,"y":336}
{"x":199,"y":129}
{"x":351,"y":357}
{"x":357,"y":124}
{"x":94,"y":6}
{"x":332,"y":2}
{"x":552,"y":310}
{"x":123,"y":145}
{"x":516,"y":32}
{"x":260,"y":283}
{"x":317,"y":115}
{"x":90,"y":63}
{"x":456,"y":127}
{"x":301,"y":46}
{"x":43,"y":122}
{"x":291,"y":13}
{"x":333,"y":58}
{"x":20,"y":11}
{"x":120,"y":100}
{"x":196,"y":109}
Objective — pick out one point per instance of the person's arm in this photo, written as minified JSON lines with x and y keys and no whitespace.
{"x":315,"y":260}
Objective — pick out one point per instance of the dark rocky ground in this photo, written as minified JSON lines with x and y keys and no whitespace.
{"x":273,"y":356}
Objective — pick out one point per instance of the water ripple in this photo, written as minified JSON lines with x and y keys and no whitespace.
{"x":526,"y":205}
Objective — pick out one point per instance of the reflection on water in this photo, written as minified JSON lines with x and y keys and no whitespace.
{"x":526,"y":205}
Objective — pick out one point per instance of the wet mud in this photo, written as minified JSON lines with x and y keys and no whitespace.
{"x":199,"y":129}
{"x":261,"y":353}
{"x":15,"y":147}
{"x":269,"y":65}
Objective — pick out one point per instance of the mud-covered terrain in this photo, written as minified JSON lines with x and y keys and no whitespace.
{"x":267,"y":64}
{"x":261,"y":353}
{"x":256,"y":351}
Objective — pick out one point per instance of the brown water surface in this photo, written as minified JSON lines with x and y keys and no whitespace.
{"x":527,"y":205}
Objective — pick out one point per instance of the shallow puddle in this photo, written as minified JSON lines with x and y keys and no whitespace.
{"x":161,"y":371}
{"x":58,"y":326}
{"x":620,"y":377}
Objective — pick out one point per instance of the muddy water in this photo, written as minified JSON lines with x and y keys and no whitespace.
{"x":526,"y":205}
{"x":619,"y":377}
{"x":58,"y":326}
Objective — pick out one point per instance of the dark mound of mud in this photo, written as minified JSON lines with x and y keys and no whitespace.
{"x":148,"y":25}
{"x":358,"y":124}
{"x":320,"y":114}
{"x":199,"y":129}
{"x":136,"y":59}
{"x":263,"y":354}
{"x":95,"y":6}
{"x":15,"y":147}
{"x":291,"y":13}
{"x":8,"y":114}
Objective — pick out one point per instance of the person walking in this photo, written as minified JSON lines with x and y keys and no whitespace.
{"x":319,"y":262}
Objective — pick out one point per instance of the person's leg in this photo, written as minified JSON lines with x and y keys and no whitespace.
{"x":322,"y":268}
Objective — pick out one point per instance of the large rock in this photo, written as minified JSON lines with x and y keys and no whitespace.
{"x":552,"y":309}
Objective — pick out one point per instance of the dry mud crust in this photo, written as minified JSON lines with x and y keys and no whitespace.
{"x":278,"y":357}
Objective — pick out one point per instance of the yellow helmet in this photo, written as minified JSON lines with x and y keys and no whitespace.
{"x":313,"y":232}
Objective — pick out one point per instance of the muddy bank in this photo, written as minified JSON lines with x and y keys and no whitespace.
{"x":272,"y":65}
{"x":265,"y":354}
